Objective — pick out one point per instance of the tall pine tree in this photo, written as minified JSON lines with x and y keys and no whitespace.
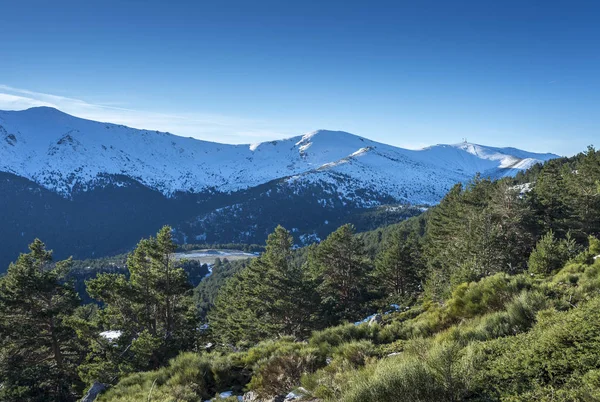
{"x":267,"y":299}
{"x":398,"y":268}
{"x":340,"y":269}
{"x":152,"y":308}
{"x":40,"y":351}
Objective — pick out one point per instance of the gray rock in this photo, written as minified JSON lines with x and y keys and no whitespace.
{"x":376,"y":320}
{"x":250,"y":397}
{"x":93,"y":392}
{"x":299,"y":394}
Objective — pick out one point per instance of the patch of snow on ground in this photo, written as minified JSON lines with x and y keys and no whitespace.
{"x":210,"y":270}
{"x":111,"y":335}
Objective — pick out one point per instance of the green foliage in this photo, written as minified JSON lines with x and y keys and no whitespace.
{"x":475,"y":232}
{"x":487,"y":295}
{"x":268,"y":298}
{"x":550,"y":254}
{"x":437,"y":372}
{"x":339,"y":266}
{"x":153,"y":309}
{"x":185,"y":379}
{"x":206,"y":292}
{"x":475,"y":346}
{"x":559,"y":354}
{"x":335,"y":336}
{"x":280,"y":373}
{"x":398,"y":268}
{"x":594,"y":246}
{"x":39,"y":352}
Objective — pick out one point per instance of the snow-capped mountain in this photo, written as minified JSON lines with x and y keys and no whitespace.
{"x":93,"y":189}
{"x":63,"y":153}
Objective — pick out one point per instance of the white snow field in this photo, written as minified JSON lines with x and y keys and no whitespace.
{"x":59,"y":151}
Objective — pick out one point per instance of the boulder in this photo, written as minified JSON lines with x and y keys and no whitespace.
{"x":296,"y":395}
{"x":250,"y":397}
{"x":93,"y":392}
{"x":375,"y":320}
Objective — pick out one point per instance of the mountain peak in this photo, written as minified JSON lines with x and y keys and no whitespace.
{"x":329,"y":137}
{"x":44,"y":111}
{"x":328,"y":133}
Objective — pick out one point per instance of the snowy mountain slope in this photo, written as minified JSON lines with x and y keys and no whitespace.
{"x":62,"y":152}
{"x":93,"y":189}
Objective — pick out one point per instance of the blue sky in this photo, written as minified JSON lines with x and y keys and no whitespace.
{"x":502,"y":73}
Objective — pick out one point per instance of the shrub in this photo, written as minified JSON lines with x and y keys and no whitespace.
{"x":429,"y":372}
{"x":558,"y":353}
{"x":489,"y":294}
{"x":185,"y":379}
{"x":279,"y":374}
{"x":355,"y":353}
{"x":335,"y":336}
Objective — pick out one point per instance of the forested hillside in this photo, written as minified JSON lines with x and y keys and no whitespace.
{"x":491,"y":295}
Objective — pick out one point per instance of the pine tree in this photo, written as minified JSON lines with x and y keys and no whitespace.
{"x":442,"y":238}
{"x":153,"y":308}
{"x":267,"y":299}
{"x":551,"y":254}
{"x":398,"y":267}
{"x":40,"y":351}
{"x":340,"y":269}
{"x":550,"y":199}
{"x":584,"y":184}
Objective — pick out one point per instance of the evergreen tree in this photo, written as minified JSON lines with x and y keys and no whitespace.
{"x":585,"y":190}
{"x":550,"y":198}
{"x":269,"y":298}
{"x":551,"y":254}
{"x":39,"y":349}
{"x":513,"y":228}
{"x":477,"y":232}
{"x":340,"y":270}
{"x":398,"y":267}
{"x":152,"y":308}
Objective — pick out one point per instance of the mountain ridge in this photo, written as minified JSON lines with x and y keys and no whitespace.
{"x":62,"y":152}
{"x":93,"y":188}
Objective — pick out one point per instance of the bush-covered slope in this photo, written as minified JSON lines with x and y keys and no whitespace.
{"x":519,"y":337}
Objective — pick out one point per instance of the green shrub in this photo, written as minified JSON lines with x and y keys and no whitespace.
{"x":489,"y":294}
{"x":185,"y":379}
{"x":594,"y":245}
{"x":428,"y":372}
{"x":335,"y":336}
{"x":560,"y":352}
{"x":355,"y":353}
{"x":279,"y":374}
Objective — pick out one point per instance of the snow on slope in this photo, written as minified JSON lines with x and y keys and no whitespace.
{"x":60,"y":151}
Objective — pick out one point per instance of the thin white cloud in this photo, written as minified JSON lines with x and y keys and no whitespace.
{"x":15,"y":102}
{"x":202,"y":126}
